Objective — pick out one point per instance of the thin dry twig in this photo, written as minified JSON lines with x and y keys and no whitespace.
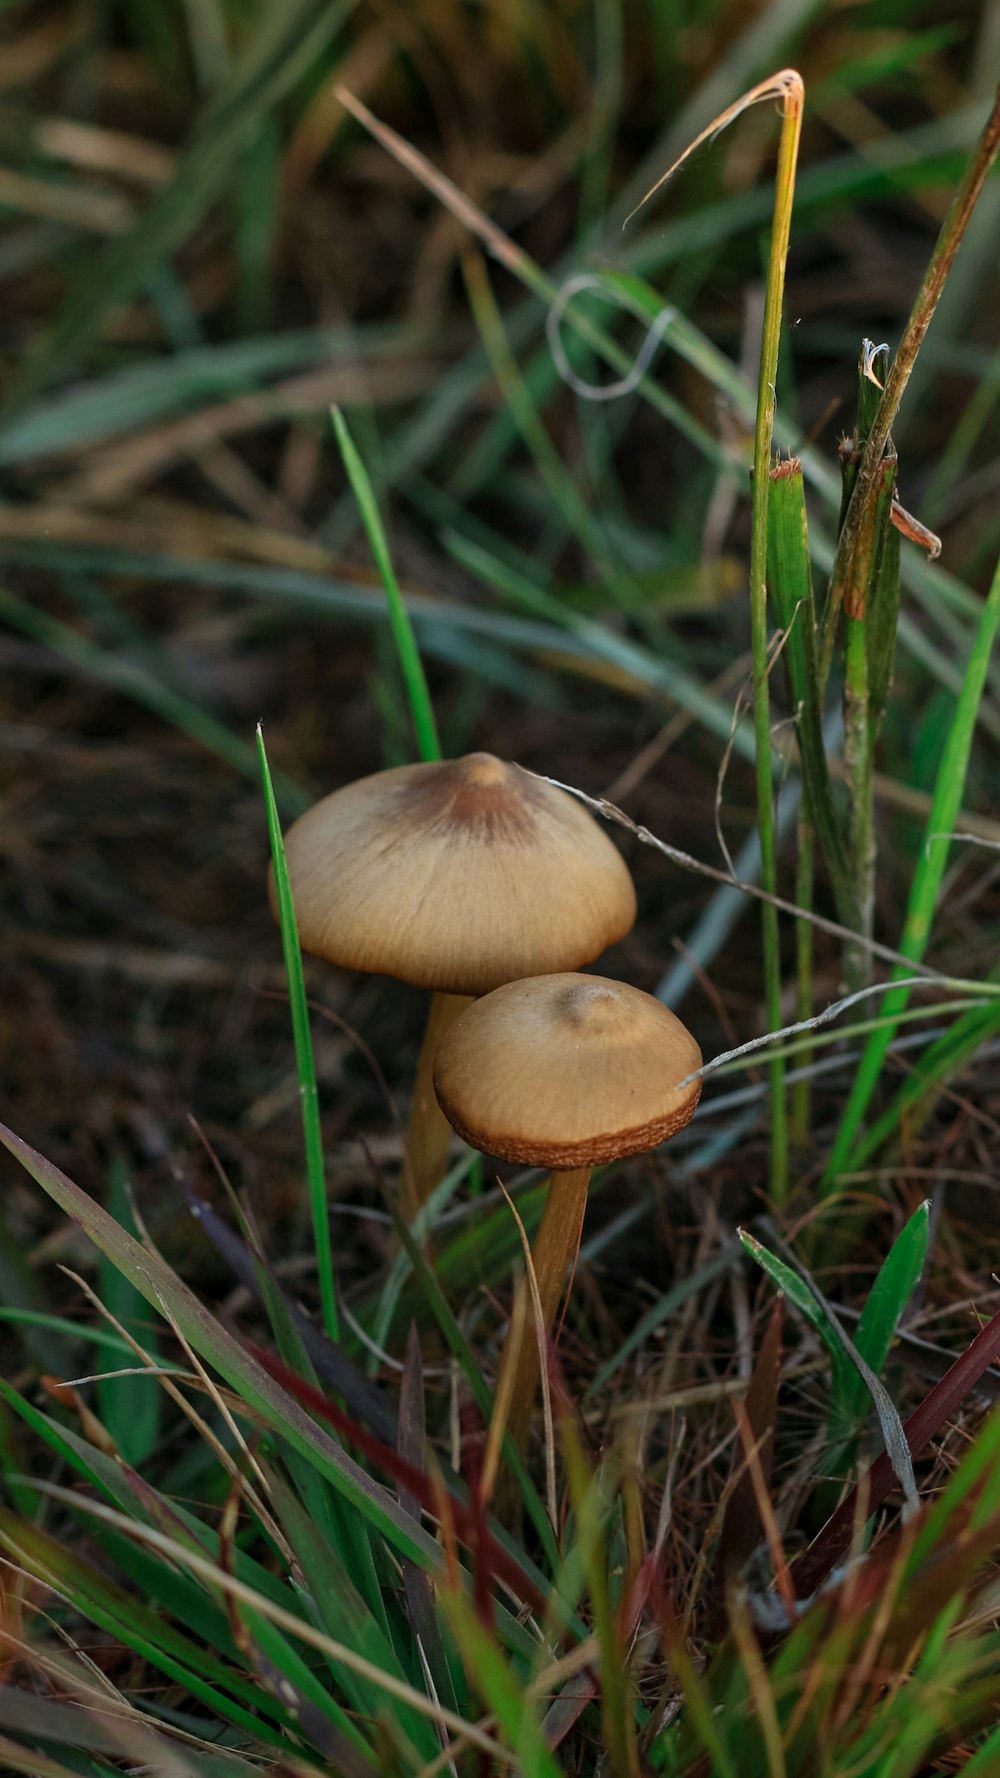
{"x":685,"y":861}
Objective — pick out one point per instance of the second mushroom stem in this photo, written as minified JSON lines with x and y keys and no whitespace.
{"x":429,"y":1134}
{"x":552,"y":1256}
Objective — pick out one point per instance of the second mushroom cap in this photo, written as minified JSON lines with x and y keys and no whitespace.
{"x":567,"y":1071}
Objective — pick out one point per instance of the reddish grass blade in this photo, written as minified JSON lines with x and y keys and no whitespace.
{"x":465,"y":1521}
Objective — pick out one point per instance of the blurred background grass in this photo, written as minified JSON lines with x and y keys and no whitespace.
{"x":200,"y":252}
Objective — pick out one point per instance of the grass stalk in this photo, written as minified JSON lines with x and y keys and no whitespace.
{"x":421,"y":708}
{"x":304,"y":1059}
{"x":791,"y":125}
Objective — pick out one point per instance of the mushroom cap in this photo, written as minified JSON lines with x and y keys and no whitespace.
{"x":567,"y":1071}
{"x":456,"y":876}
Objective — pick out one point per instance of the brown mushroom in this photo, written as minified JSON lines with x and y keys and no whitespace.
{"x":565,"y":1072}
{"x":456,"y":876}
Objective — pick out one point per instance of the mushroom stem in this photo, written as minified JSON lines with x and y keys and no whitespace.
{"x":428,"y":1136}
{"x":554,"y":1252}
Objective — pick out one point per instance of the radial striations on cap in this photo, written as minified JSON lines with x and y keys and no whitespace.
{"x":567,"y":1071}
{"x":456,"y":876}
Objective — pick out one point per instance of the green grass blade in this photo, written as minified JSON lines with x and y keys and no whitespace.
{"x":304,"y":1060}
{"x":798,"y":1292}
{"x":800,"y":1095}
{"x":791,"y":125}
{"x":932,"y":859}
{"x":115,"y":1611}
{"x":883,"y":623}
{"x":789,"y":581}
{"x":245,"y":1596}
{"x":144,"y":395}
{"x":504,"y":1695}
{"x":129,"y":1406}
{"x":97,"y":1470}
{"x":976,"y":1026}
{"x":336,"y":1607}
{"x":894,"y":1286}
{"x":316,"y":1713}
{"x":953,"y":228}
{"x":335,"y":1521}
{"x":414,"y":677}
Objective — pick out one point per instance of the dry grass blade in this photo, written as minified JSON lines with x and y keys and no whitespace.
{"x":201,"y":1426}
{"x":785,"y":86}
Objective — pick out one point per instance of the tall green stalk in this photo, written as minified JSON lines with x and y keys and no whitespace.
{"x":791,"y":126}
{"x":304,"y":1060}
{"x":415,"y":679}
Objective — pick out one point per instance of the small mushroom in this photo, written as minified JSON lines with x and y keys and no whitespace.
{"x":456,"y":876}
{"x":565,"y":1072}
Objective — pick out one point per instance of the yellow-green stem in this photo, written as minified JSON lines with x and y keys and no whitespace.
{"x":552,"y":1255}
{"x":428,"y":1136}
{"x":791,"y":125}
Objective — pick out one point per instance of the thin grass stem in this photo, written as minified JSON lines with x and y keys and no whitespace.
{"x":791,"y":125}
{"x":304,"y":1060}
{"x":415,"y":680}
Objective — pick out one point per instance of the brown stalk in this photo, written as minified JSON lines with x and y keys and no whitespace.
{"x":948,"y":242}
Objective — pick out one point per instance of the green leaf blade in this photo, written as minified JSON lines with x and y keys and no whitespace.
{"x":129,"y":1405}
{"x":887,"y":1301}
{"x":412,"y":666}
{"x":304,"y":1059}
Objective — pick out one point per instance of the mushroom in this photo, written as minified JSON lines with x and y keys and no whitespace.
{"x":455,"y":876}
{"x":564,"y":1072}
